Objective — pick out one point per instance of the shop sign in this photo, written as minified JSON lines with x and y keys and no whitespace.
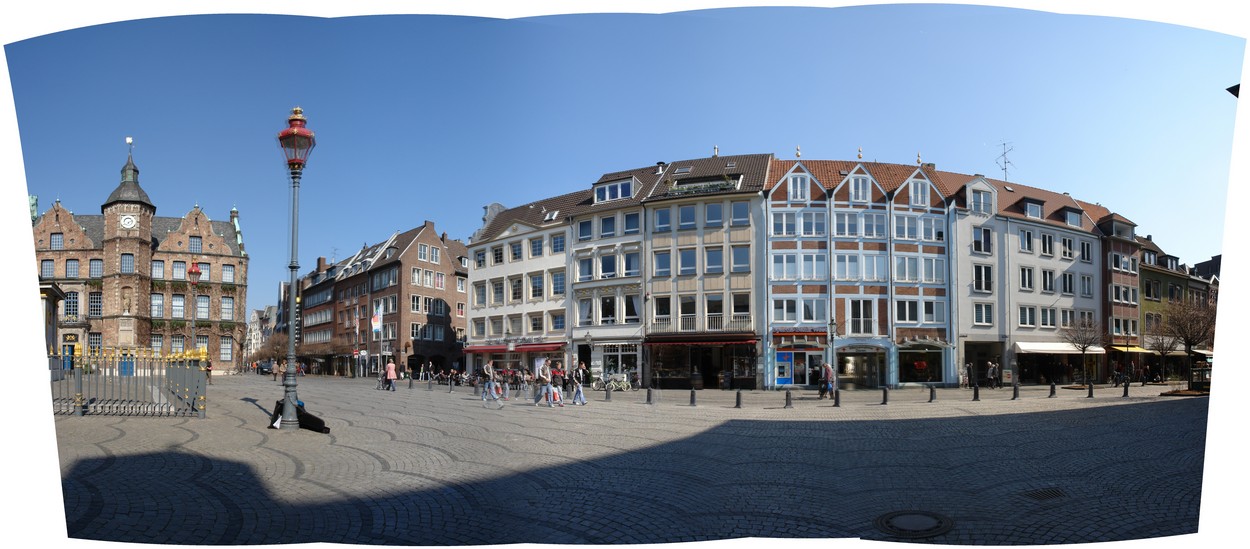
{"x":1007,"y":376}
{"x":69,"y":338}
{"x":859,"y":349}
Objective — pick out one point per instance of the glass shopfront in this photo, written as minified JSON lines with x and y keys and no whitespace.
{"x":696,"y":366}
{"x":861,"y":367}
{"x":920,"y":365}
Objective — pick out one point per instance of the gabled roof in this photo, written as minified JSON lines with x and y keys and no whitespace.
{"x":534,"y":214}
{"x":749,"y":172}
{"x":826,"y":172}
{"x":93,"y":225}
{"x":1012,"y":195}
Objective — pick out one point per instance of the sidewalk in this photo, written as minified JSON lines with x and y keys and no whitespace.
{"x":421,"y":467}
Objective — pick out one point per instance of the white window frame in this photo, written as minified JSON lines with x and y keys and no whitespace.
{"x":983,"y":278}
{"x":798,"y":187}
{"x":860,"y":189}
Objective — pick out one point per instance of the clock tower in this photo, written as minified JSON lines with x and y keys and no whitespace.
{"x":128,"y":247}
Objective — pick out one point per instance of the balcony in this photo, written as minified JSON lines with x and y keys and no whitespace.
{"x":71,"y":320}
{"x":737,"y":322}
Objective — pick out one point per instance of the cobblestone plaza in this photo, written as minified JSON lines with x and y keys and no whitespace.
{"x":429,"y":467}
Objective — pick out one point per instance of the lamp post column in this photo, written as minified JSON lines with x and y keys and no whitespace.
{"x":297,"y":142}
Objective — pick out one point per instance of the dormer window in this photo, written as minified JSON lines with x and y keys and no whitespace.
{"x":614,"y":191}
{"x":1033,"y":209}
{"x":981,"y":202}
{"x":1073,"y":218}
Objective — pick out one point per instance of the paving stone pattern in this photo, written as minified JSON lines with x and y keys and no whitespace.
{"x":421,"y":467}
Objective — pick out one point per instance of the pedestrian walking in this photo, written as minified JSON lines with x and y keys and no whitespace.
{"x":580,"y":376}
{"x":390,"y":375}
{"x":966,"y":381}
{"x":990,"y":372}
{"x":544,"y":380}
{"x":490,"y":385}
{"x":281,"y":371}
{"x":826,"y":381}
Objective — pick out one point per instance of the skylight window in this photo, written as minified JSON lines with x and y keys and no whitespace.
{"x":551,"y":215}
{"x":682,"y":170}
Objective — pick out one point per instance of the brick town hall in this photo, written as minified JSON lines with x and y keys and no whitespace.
{"x":127,"y":276}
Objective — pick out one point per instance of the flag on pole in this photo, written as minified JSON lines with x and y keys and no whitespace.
{"x":377,"y":317}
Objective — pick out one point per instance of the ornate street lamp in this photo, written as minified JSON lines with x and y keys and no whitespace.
{"x":194,"y":275}
{"x":297,"y":141}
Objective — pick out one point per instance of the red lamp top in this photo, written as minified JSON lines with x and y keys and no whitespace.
{"x":194,"y":273}
{"x":297,"y":140}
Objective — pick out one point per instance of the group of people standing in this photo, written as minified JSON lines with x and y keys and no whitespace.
{"x":549,"y":387}
{"x":993,"y":376}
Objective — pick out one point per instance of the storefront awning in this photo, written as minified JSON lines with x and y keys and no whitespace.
{"x":539,"y":347}
{"x":1055,"y":348}
{"x":525,"y":348}
{"x":739,"y":342}
{"x":1204,"y":352}
{"x":1132,"y":349}
{"x":485,"y":349}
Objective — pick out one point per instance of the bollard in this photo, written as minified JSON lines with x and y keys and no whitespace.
{"x":1125,"y":390}
{"x":837,"y":398}
{"x":932,"y":394}
{"x":885,"y":396}
{"x":451,"y":387}
{"x":1015,"y":391}
{"x":649,"y":396}
{"x":429,"y":386}
{"x":692,"y":403}
{"x":607,"y":393}
{"x":738,"y":400}
{"x":976,"y":393}
{"x":1052,"y":390}
{"x":477,"y":390}
{"x":410,"y":382}
{"x":789,"y":399}
{"x":1091,"y":389}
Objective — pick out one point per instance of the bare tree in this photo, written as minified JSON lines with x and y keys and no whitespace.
{"x":1191,"y":322}
{"x":1083,"y":336}
{"x":1160,"y":340}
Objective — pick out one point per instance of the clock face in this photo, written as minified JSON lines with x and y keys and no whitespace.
{"x":129,"y":221}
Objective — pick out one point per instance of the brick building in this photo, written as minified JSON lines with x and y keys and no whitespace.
{"x":124,"y":274}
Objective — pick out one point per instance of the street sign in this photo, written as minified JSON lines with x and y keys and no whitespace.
{"x":364,"y":353}
{"x":355,"y":352}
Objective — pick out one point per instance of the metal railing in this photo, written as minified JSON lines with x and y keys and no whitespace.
{"x":132,"y":382}
{"x":715,"y":322}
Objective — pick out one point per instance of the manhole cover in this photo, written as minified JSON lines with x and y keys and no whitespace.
{"x":913,"y":524}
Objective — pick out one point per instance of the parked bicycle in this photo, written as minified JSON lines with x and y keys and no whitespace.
{"x":617,"y":382}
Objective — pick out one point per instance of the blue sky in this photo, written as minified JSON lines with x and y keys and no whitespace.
{"x":433,"y":117}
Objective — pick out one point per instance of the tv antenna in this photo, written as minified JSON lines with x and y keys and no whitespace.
{"x":1002,"y":161}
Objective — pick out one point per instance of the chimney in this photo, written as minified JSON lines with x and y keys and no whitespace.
{"x":321,"y":264}
{"x":444,"y":237}
{"x":1150,"y":238}
{"x":659,"y":168}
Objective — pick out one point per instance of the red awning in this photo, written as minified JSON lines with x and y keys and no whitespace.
{"x":485,"y":349}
